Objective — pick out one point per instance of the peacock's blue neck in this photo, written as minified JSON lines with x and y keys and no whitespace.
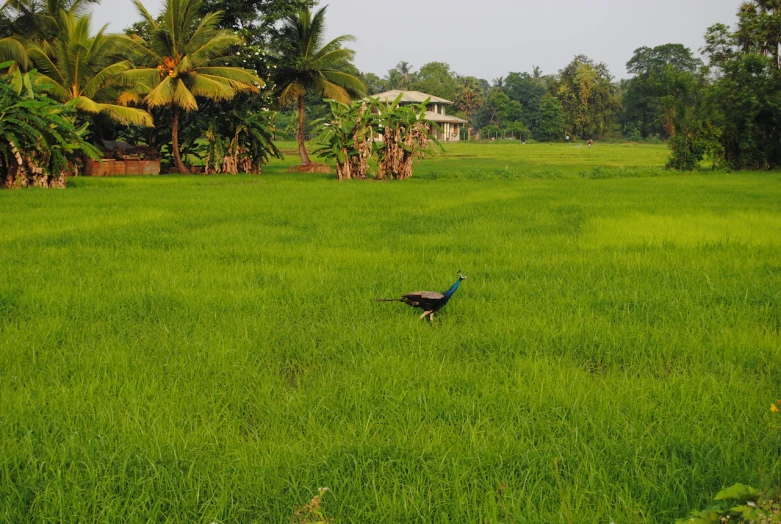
{"x":453,"y":289}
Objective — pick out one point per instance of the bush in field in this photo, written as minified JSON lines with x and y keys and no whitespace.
{"x":689,"y":146}
{"x":238,"y":142}
{"x":349,"y":137}
{"x":40,"y":146}
{"x":405,"y":133}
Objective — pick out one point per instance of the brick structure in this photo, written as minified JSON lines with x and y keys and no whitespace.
{"x":120,"y":158}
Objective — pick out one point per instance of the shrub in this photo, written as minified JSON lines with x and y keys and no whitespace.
{"x":40,"y":146}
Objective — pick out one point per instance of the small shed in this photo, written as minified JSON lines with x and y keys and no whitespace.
{"x":121,"y":158}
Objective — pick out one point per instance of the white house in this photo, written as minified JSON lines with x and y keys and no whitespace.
{"x":449,"y":126}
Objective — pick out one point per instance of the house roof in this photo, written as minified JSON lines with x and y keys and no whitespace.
{"x":414,"y":97}
{"x":441,"y":119}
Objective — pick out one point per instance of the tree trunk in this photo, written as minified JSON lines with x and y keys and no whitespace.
{"x":180,"y":167}
{"x":301,"y":145}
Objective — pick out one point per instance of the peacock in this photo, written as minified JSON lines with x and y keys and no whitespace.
{"x":429,"y":301}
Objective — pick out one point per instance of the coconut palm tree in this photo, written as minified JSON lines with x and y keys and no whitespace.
{"x":308,"y":66}
{"x":392,"y":79}
{"x":185,"y":58}
{"x":81,"y":71}
{"x":405,"y":70}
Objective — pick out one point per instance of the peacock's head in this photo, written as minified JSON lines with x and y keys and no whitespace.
{"x":461,"y":276}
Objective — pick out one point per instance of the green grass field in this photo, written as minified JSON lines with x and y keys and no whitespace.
{"x":208,"y":349}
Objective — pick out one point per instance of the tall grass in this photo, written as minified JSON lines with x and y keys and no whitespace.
{"x":208,"y":349}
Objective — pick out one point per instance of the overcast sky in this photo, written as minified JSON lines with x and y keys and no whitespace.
{"x":489,"y":38}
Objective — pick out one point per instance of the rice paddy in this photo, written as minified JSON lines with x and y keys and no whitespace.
{"x":209,"y":349}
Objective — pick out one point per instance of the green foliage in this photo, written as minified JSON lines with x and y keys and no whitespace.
{"x":256,"y":20}
{"x":405,"y":134}
{"x":239,"y":140}
{"x":689,"y":146}
{"x":490,"y":131}
{"x":40,"y":145}
{"x":400,"y":77}
{"x":437,"y":79}
{"x":740,"y":504}
{"x":500,"y":110}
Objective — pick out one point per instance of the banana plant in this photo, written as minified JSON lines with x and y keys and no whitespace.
{"x":347,"y":137}
{"x":405,"y":133}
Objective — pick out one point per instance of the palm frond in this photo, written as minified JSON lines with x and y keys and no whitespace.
{"x":290,"y":93}
{"x":334,"y":45}
{"x":161,"y":95}
{"x":207,"y":28}
{"x":12,"y":49}
{"x":333,"y":59}
{"x":333,"y":91}
{"x":213,"y":48}
{"x":214,"y":88}
{"x":140,"y":80}
{"x":47,"y":66}
{"x":145,"y":14}
{"x":138,"y":50}
{"x":127,"y":115}
{"x":236,"y":75}
{"x":184,"y":98}
{"x":109,"y":74}
{"x":345,"y":80}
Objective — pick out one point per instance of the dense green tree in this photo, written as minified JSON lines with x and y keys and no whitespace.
{"x":374,"y":84}
{"x":587,"y":96}
{"x":436,"y":78}
{"x":651,"y":96}
{"x":184,"y":58}
{"x":745,"y":98}
{"x":311,"y":66}
{"x":733,"y":111}
{"x":550,"y":120}
{"x":528,"y":90}
{"x":500,"y":110}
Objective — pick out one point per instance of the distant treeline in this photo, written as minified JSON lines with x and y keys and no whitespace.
{"x":727,"y":108}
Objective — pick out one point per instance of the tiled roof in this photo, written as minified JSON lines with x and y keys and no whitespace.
{"x":441,"y":119}
{"x":414,"y":97}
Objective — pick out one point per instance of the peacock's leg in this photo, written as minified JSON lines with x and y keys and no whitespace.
{"x":431,"y":318}
{"x":426,"y":313}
